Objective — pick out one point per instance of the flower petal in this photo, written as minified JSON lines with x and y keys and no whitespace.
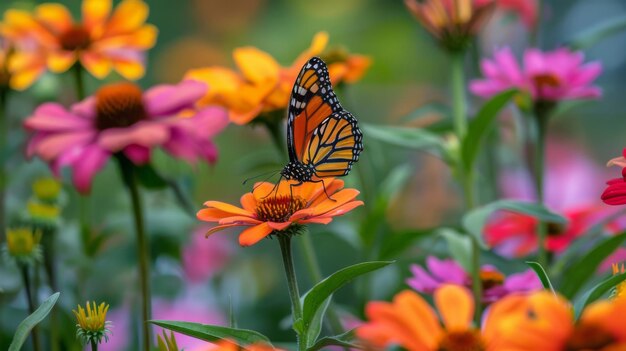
{"x":228,"y":208}
{"x":253,"y":235}
{"x":455,"y":306}
{"x":129,"y":15}
{"x":92,"y":160}
{"x":257,"y":66}
{"x":96,"y":64}
{"x":165,"y":100}
{"x":148,"y":134}
{"x":95,"y":13}
{"x":138,"y":154}
{"x":248,"y":202}
{"x":54,"y":16}
{"x":279,"y":226}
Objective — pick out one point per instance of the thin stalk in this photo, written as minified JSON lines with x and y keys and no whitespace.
{"x":294,"y":293}
{"x":3,"y":157}
{"x":143,"y":249}
{"x":94,"y":345}
{"x":538,"y":170}
{"x":49,"y":253}
{"x":313,"y":266}
{"x":459,"y":110}
{"x":79,"y":82}
{"x":31,"y":305}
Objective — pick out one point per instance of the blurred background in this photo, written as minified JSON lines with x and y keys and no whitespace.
{"x":197,"y":279}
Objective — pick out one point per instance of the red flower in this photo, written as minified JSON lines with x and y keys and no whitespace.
{"x":615,"y":192}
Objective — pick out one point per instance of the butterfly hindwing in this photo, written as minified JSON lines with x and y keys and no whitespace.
{"x":320,"y":133}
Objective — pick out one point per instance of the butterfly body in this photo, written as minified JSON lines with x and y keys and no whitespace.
{"x":323,"y":139}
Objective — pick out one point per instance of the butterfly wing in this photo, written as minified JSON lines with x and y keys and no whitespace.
{"x":319,"y":131}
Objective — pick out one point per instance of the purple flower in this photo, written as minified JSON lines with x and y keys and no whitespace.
{"x":447,"y":271}
{"x":120,"y":118}
{"x":204,"y":256}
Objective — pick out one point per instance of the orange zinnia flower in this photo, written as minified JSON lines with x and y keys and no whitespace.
{"x":269,"y":209}
{"x":262,"y":85}
{"x":226,"y":345}
{"x":410,"y":322}
{"x":543,"y":321}
{"x":103,"y":41}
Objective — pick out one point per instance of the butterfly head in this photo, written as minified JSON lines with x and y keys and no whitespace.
{"x":298,"y":171}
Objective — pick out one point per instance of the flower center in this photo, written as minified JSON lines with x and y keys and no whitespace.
{"x":490,"y":278}
{"x":466,"y":340}
{"x":75,"y":38}
{"x":279,"y":208}
{"x":546,"y":80}
{"x":588,"y":337}
{"x":555,"y":229}
{"x":119,"y":105}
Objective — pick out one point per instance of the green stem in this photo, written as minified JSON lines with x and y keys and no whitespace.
{"x":79,"y":82}
{"x":31,"y":304}
{"x":459,"y":110}
{"x":294,"y":294}
{"x":3,"y":157}
{"x":459,"y":107}
{"x":49,"y":265}
{"x":541,"y":121}
{"x":143,"y":249}
{"x":315,"y":272}
{"x":94,"y":345}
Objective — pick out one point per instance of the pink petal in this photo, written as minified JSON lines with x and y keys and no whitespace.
{"x":143,"y":133}
{"x":58,"y":143}
{"x":138,"y":154}
{"x":165,"y":100}
{"x":91,"y":161}
{"x":85,"y":108}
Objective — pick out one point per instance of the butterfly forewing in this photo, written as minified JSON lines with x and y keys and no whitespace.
{"x":320,"y":133}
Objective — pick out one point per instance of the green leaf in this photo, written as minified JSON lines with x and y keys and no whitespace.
{"x":149,"y":178}
{"x":24,"y":328}
{"x":396,"y":243}
{"x":475,"y":220}
{"x":459,"y":245}
{"x":314,"y":298}
{"x":541,"y":273}
{"x":584,"y":268}
{"x":480,"y":126}
{"x":342,"y":340}
{"x":595,"y":34}
{"x":213,"y":333}
{"x":316,"y":324}
{"x":597,"y":291}
{"x":413,"y":138}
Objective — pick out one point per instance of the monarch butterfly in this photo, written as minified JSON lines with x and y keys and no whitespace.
{"x":323,"y":139}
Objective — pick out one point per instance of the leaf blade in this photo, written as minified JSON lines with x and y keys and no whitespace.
{"x":24,"y":328}
{"x":213,"y":333}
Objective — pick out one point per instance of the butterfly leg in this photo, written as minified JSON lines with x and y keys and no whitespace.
{"x":324,"y":186}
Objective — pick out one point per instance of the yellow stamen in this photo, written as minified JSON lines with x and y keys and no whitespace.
{"x":94,"y":318}
{"x":119,"y":105}
{"x":462,"y":340}
{"x":280,"y":208}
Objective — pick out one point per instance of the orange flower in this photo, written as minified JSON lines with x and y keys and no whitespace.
{"x":262,"y":85}
{"x":543,"y":321}
{"x":620,"y":289}
{"x":410,"y":322}
{"x":452,"y":22}
{"x":226,"y":345}
{"x":269,"y":208}
{"x":103,"y":41}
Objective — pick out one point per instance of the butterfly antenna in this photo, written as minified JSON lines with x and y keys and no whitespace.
{"x":275,"y":188}
{"x":271,"y":173}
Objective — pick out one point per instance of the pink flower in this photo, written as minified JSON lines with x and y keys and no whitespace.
{"x":546,"y":76}
{"x":495,"y":284}
{"x":203,"y":257}
{"x":120,"y":118}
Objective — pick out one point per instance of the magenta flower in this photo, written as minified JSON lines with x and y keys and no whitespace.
{"x":120,"y":118}
{"x":546,"y":76}
{"x":447,"y":271}
{"x":204,"y":256}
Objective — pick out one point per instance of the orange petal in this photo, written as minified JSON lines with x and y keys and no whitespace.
{"x":240,"y":220}
{"x":253,"y":235}
{"x":228,"y":208}
{"x":60,"y":61}
{"x":218,"y":228}
{"x":257,"y":66}
{"x":96,"y":64}
{"x":55,"y":16}
{"x":128,"y":16}
{"x":424,"y":321}
{"x":144,"y":38}
{"x":23,"y":79}
{"x":358,"y":65}
{"x":608,"y":314}
{"x":262,"y":190}
{"x":279,"y":226}
{"x":242,"y":118}
{"x":455,"y":306}
{"x":318,"y":44}
{"x":320,"y":194}
{"x":248,"y":202}
{"x":316,"y":220}
{"x":129,"y":69}
{"x":338,"y":199}
{"x":95,"y":13}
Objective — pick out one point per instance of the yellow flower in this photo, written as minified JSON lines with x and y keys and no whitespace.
{"x":105,"y":40}
{"x":42,"y":211}
{"x":47,"y":188}
{"x":261,"y":84}
{"x":23,"y":242}
{"x":92,"y":324}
